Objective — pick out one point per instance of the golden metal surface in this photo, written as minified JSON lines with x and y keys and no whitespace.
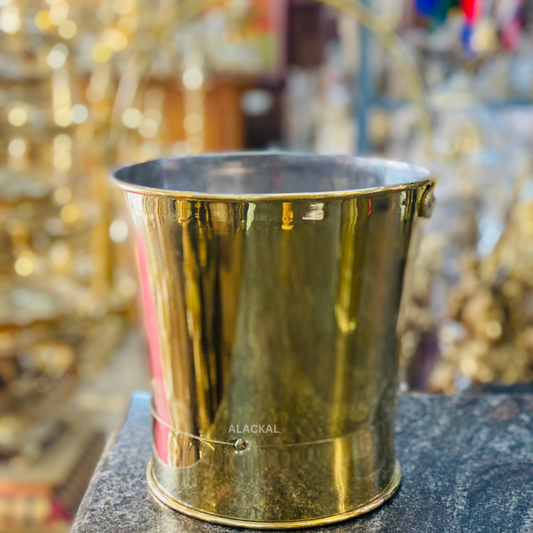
{"x":164,"y":497}
{"x":272,"y":287}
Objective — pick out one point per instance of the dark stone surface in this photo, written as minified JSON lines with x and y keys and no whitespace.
{"x":467,"y":467}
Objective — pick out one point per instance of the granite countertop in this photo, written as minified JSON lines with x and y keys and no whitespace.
{"x":467,"y":465}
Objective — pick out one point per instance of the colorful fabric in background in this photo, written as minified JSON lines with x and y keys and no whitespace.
{"x":505,"y":16}
{"x":472,"y":11}
{"x":437,"y":10}
{"x":510,"y":22}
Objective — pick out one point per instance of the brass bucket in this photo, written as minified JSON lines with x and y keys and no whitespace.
{"x":271,"y":287}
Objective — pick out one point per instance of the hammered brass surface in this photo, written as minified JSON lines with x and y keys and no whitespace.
{"x":272,"y":287}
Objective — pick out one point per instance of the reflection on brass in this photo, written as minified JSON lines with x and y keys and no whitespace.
{"x":272,"y":287}
{"x":167,"y":498}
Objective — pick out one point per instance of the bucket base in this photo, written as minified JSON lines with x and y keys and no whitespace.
{"x":164,"y":497}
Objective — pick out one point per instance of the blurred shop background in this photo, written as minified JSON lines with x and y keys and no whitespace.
{"x":90,"y":85}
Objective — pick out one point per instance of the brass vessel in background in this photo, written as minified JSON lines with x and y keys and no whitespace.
{"x":272,"y":287}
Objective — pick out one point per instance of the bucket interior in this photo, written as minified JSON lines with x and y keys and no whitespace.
{"x":268,"y":173}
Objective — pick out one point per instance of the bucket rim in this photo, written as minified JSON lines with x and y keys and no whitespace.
{"x":422,"y":179}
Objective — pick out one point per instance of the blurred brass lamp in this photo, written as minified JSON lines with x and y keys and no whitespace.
{"x":272,"y":287}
